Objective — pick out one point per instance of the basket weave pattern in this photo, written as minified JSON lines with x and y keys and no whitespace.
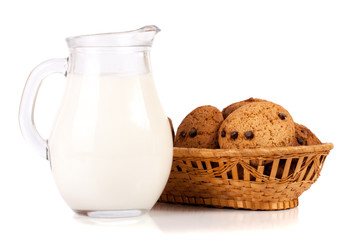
{"x":258,"y":179}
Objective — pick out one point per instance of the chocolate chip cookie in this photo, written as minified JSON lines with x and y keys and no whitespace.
{"x":199,"y":129}
{"x":232,"y":107}
{"x":304,"y":136}
{"x":257,"y":125}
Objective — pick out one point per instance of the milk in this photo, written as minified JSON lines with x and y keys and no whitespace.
{"x":111,"y":144}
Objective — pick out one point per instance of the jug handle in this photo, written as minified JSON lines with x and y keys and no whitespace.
{"x":28,"y":99}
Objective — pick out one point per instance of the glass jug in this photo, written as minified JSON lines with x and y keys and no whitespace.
{"x":110,"y":149}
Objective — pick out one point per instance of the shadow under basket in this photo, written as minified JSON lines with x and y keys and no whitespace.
{"x":257,"y":179}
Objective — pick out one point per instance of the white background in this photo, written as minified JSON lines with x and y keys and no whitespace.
{"x":304,"y":55}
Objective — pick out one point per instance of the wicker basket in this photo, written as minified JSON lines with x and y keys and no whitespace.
{"x":257,"y":179}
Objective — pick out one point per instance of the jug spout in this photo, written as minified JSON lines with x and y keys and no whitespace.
{"x":142,"y":37}
{"x":145,"y":35}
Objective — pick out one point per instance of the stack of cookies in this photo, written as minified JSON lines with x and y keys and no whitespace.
{"x":271,"y":166}
{"x":251,"y":123}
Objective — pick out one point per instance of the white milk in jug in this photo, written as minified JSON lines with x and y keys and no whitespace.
{"x":111,"y":145}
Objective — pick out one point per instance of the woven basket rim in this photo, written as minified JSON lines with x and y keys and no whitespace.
{"x":204,"y":152}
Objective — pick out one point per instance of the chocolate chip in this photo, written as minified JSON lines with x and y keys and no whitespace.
{"x":234,"y":135}
{"x":183,"y":133}
{"x":300,"y":141}
{"x":223,"y":133}
{"x":282,"y":116}
{"x":249,"y":135}
{"x":193,"y":132}
{"x":304,"y":132}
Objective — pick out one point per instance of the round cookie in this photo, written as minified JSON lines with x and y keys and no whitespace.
{"x":256,"y":125}
{"x":232,"y":107}
{"x":304,"y":136}
{"x":199,"y":129}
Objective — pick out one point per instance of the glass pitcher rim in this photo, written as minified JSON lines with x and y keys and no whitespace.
{"x":142,"y":37}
